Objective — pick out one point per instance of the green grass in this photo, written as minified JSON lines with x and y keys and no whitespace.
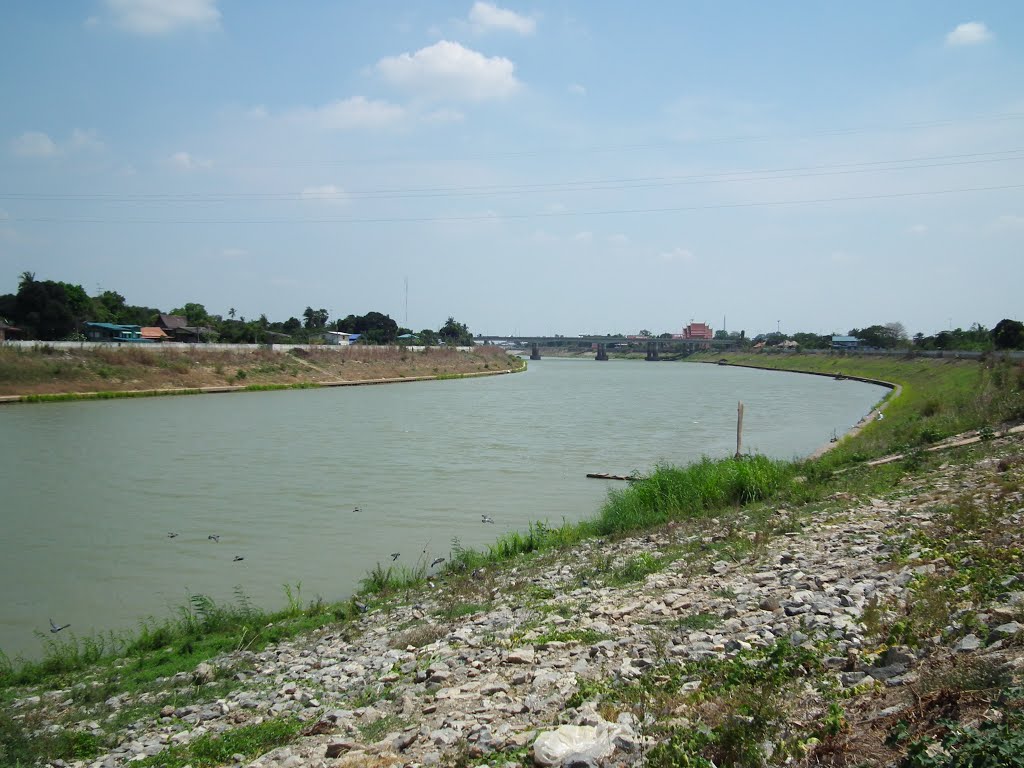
{"x":216,"y":750}
{"x":940,"y":397}
{"x":676,"y":493}
{"x":164,"y":647}
{"x":69,"y":396}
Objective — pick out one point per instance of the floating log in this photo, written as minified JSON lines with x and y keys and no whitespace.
{"x":607,"y":476}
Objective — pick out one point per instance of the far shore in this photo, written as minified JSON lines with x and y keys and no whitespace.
{"x":42,"y":374}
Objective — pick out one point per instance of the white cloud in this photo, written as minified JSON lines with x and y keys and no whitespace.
{"x":161,"y":17}
{"x":577,"y":89}
{"x":326,"y":193}
{"x":34,"y":144}
{"x":354,"y":112}
{"x":444,"y":116}
{"x":583,"y":237}
{"x":1011,"y":221}
{"x":233,"y":253}
{"x":618,"y":239}
{"x":487,"y":16}
{"x":85,"y":140}
{"x":677,"y":256}
{"x":185,"y":162}
{"x":969,"y":33}
{"x":918,"y":229}
{"x":449,"y":70}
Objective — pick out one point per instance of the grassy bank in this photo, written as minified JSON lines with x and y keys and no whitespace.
{"x":45,"y":373}
{"x":939,"y":398}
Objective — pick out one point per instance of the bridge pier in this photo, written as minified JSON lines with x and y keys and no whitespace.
{"x":534,"y":351}
{"x":652,"y":350}
{"x":602,"y":352}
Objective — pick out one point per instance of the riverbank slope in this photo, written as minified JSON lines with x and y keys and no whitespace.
{"x":46,"y":371}
{"x":870,"y":617}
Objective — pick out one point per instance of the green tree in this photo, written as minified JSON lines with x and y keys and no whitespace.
{"x":315,"y":318}
{"x":375,"y":327}
{"x":42,"y":307}
{"x":1008,"y":334}
{"x":195,"y":314}
{"x":456,"y":333}
{"x":109,"y":307}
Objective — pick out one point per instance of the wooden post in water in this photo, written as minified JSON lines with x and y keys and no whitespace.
{"x":739,"y":429}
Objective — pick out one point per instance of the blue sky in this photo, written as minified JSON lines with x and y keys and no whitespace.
{"x":561,"y":167}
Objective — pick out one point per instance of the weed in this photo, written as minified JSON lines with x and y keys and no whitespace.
{"x":378,"y":729}
{"x":636,"y":568}
{"x":214,"y":750}
{"x":698,"y":621}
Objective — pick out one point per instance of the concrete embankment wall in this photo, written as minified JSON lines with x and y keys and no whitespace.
{"x":179,"y":346}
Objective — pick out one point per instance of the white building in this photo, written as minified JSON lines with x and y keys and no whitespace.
{"x":337,"y":338}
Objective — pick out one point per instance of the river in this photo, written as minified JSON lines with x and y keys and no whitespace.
{"x":316,"y":486}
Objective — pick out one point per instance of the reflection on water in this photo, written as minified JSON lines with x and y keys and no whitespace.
{"x":91,"y":490}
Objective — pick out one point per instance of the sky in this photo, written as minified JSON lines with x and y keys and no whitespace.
{"x":570,"y":167}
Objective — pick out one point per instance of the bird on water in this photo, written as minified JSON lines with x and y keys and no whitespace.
{"x":438,"y":561}
{"x":395,"y":555}
{"x":171,"y":535}
{"x":214,"y":537}
{"x":486,"y":519}
{"x":55,"y":629}
{"x":237,"y":558}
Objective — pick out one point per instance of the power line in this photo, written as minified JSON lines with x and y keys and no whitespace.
{"x":641,"y":146}
{"x":593,"y":185}
{"x":537,"y":215}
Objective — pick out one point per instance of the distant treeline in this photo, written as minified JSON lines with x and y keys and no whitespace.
{"x":1007,"y":334}
{"x":53,"y":310}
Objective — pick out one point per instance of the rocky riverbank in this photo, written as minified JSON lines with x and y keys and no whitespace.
{"x":837,"y":632}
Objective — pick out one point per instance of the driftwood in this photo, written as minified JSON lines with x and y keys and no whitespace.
{"x":607,"y":476}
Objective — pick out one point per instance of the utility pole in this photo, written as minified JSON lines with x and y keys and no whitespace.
{"x":739,"y":429}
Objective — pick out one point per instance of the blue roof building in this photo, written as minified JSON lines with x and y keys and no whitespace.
{"x":114,"y":332}
{"x":845,"y":342}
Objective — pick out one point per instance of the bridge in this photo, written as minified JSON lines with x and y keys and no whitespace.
{"x":601,"y":344}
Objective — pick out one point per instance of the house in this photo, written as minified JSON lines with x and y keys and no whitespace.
{"x":6,"y":330}
{"x":788,"y":344}
{"x":114,"y":332}
{"x":408,"y":338}
{"x":170,"y":323}
{"x":698,"y":331}
{"x":845,"y":342}
{"x":154,"y":333}
{"x":178,"y":329}
{"x":337,"y":338}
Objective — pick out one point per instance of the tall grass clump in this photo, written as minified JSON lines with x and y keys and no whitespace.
{"x":678,"y":493}
{"x":200,"y":630}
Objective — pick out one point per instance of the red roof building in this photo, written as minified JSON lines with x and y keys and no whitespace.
{"x":154,"y":333}
{"x":698,"y":331}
